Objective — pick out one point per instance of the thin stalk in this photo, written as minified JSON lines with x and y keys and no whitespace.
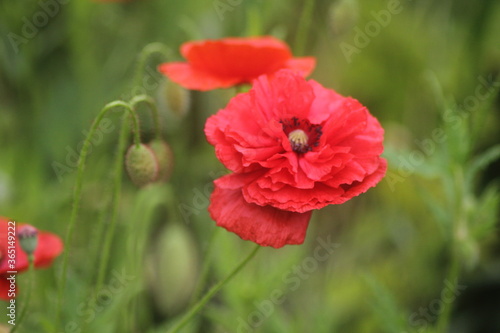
{"x":206,"y":266}
{"x":147,"y":51}
{"x":154,"y":111}
{"x":211,"y":293}
{"x":452,"y":279}
{"x":459,"y":227}
{"x":77,"y":191}
{"x":304,"y":24}
{"x":28,"y":294}
{"x":118,"y":172}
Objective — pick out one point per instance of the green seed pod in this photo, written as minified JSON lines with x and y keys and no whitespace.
{"x":141,"y":164}
{"x":165,"y":159}
{"x":177,"y":98}
{"x":28,"y":238}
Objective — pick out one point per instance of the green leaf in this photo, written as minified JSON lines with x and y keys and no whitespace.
{"x":485,"y":213}
{"x":482,"y":161}
{"x":386,"y":309}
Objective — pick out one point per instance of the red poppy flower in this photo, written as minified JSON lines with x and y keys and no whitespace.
{"x":293,"y":146}
{"x":49,"y":247}
{"x":227,"y":62}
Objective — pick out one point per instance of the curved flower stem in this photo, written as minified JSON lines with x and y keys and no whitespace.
{"x":211,"y":293}
{"x":143,"y":57}
{"x":459,"y":228}
{"x":154,"y":111}
{"x":304,"y":24}
{"x":118,"y":172}
{"x":452,"y":278}
{"x":206,"y":266}
{"x":28,"y":294}
{"x":77,"y":191}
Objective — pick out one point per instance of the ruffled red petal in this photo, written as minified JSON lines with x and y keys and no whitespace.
{"x":247,"y":133}
{"x":356,"y":188}
{"x":266,"y":226}
{"x":294,"y":199}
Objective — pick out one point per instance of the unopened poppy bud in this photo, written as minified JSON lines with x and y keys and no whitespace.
{"x":28,"y":238}
{"x":165,"y":159}
{"x":177,"y":98}
{"x":141,"y":164}
{"x":174,"y":250}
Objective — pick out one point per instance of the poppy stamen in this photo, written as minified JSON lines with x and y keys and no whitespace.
{"x":298,"y":140}
{"x":303,"y":135}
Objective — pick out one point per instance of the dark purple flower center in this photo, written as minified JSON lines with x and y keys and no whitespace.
{"x":303,"y":135}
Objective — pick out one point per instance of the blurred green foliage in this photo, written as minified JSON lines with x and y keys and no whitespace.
{"x":417,"y":74}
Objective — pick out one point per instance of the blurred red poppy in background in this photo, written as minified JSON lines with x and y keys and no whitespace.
{"x":226,"y":62}
{"x":293,"y":146}
{"x":49,"y":246}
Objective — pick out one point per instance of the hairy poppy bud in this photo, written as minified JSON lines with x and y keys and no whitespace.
{"x":141,"y":164}
{"x":165,"y":159}
{"x":28,"y":238}
{"x":177,"y":98}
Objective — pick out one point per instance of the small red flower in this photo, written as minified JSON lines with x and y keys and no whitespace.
{"x":48,"y":248}
{"x":226,"y":62}
{"x":293,"y":146}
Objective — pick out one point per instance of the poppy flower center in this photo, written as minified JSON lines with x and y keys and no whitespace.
{"x":303,"y":135}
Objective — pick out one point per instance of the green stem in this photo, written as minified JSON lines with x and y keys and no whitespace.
{"x":97,"y":237}
{"x":304,"y":24}
{"x":118,"y":172}
{"x":28,"y":294}
{"x":211,"y":293}
{"x":77,"y":191}
{"x":459,"y":227}
{"x":143,"y":57}
{"x":206,"y":266}
{"x":452,"y":279}
{"x":154,"y":111}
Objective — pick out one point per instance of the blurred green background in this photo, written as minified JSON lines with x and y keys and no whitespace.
{"x":409,"y":62}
